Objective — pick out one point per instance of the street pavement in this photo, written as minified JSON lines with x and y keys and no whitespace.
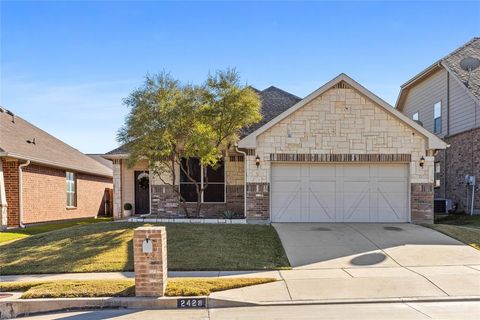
{"x":392,"y":311}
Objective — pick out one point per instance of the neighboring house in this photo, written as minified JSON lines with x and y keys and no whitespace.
{"x":44,"y":179}
{"x":339,"y":155}
{"x":446,"y":99}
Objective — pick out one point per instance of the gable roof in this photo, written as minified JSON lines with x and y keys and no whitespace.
{"x":451,"y":63}
{"x":273,"y":102}
{"x":433,"y":141}
{"x":99,"y":158}
{"x":42,"y":147}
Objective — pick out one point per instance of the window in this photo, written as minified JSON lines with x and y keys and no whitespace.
{"x":71,"y":189}
{"x":215,"y":190}
{"x":437,"y":117}
{"x":437,"y":174}
{"x":415,"y":116}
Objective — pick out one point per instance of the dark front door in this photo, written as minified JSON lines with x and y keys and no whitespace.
{"x":142,"y":190}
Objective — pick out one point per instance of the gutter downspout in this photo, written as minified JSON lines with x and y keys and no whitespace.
{"x":20,"y":193}
{"x":245,"y":168}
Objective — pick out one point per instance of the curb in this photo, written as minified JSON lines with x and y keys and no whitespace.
{"x":11,"y":308}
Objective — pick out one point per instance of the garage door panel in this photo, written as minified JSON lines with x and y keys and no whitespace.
{"x":339,"y":193}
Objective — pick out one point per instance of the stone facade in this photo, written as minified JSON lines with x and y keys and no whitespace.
{"x":340,"y":121}
{"x":164,"y":201}
{"x":150,"y":268}
{"x":460,"y":159}
{"x":340,"y":125}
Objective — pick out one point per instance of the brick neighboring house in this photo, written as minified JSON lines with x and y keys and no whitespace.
{"x":341,"y":154}
{"x":44,"y":179}
{"x":446,"y":100}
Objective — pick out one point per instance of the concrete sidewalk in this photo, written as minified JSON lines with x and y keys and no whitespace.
{"x":299,"y":285}
{"x":131,"y":275}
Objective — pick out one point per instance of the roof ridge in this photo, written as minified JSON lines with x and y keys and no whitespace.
{"x":279,"y":89}
{"x":459,"y":48}
{"x":53,"y":138}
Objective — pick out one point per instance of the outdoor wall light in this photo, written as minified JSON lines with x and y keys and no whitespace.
{"x":422,"y":161}
{"x":257,"y":161}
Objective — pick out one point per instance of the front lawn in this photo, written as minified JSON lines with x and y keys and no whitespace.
{"x":19,"y":233}
{"x":107,"y":246}
{"x":462,"y":227}
{"x":123,"y":287}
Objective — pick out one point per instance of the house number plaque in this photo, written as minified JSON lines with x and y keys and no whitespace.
{"x":191,"y":303}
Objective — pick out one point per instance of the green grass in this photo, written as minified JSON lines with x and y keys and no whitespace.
{"x":19,"y":233}
{"x":462,"y":227}
{"x":102,"y":247}
{"x":124,"y":287}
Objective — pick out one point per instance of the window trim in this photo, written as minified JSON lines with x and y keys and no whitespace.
{"x":439,"y":103}
{"x":435,"y":164}
{"x":201,"y":183}
{"x":67,"y":181}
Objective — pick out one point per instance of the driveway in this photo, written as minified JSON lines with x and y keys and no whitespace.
{"x":323,"y":245}
{"x":367,"y":261}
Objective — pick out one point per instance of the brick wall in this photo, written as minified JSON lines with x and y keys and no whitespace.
{"x":44,"y":194}
{"x":165,"y":203}
{"x":421,"y":202}
{"x":462,"y":158}
{"x":10,"y":174}
{"x":150,"y":268}
{"x":258,"y":201}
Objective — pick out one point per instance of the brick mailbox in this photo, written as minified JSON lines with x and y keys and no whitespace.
{"x":150,"y":261}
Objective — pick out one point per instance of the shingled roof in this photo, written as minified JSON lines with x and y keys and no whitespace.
{"x":274,"y":102}
{"x":451,"y":63}
{"x":22,"y":140}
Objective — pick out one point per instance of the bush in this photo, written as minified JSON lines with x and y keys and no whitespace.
{"x":228,"y":214}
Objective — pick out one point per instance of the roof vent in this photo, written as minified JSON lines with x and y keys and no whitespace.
{"x":341,"y":85}
{"x":469,"y":64}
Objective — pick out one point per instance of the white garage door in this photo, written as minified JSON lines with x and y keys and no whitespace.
{"x":339,"y":193}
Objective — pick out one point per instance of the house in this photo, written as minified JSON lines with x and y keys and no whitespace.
{"x":341,"y":154}
{"x":44,"y":179}
{"x":445,"y":98}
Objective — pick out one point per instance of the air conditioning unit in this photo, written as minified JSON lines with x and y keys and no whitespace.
{"x":443,"y":206}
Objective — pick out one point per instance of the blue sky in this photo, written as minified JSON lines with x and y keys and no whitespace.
{"x":65,"y":66}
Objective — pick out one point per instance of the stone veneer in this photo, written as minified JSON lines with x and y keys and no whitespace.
{"x":341,"y":121}
{"x":165,"y":203}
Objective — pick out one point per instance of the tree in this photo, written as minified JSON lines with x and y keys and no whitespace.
{"x":169,"y":122}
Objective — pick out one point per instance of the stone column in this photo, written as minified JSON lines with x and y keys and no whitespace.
{"x":117,"y":189}
{"x":150,"y":261}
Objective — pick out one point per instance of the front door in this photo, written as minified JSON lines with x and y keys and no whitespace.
{"x":142,"y":192}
